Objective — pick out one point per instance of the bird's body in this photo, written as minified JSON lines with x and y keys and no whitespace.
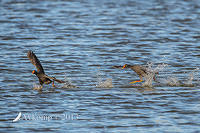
{"x":140,"y":70}
{"x":43,"y":78}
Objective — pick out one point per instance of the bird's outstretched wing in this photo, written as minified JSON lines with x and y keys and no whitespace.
{"x":34,"y":60}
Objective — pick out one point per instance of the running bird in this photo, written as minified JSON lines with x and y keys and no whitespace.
{"x":140,"y":70}
{"x":43,"y":78}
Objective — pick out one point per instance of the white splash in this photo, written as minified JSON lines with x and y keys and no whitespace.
{"x":173,"y":81}
{"x":103,"y":83}
{"x":68,"y":83}
{"x":191,"y":76}
{"x":152,"y":73}
{"x":37,"y":87}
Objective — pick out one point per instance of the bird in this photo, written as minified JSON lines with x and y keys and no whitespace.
{"x":43,"y":78}
{"x":140,"y":70}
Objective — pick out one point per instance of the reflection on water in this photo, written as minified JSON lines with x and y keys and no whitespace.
{"x":73,"y":39}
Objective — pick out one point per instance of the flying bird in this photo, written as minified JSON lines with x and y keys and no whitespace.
{"x":43,"y":78}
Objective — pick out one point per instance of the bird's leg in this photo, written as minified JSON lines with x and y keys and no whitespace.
{"x":53,"y":84}
{"x":137,"y":80}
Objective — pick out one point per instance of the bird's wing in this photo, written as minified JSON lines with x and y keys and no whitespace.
{"x":53,"y":78}
{"x":144,"y":69}
{"x":34,"y":60}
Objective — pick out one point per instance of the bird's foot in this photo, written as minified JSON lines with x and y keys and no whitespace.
{"x":53,"y":85}
{"x":135,"y":81}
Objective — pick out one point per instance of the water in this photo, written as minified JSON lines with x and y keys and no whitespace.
{"x":75,"y":40}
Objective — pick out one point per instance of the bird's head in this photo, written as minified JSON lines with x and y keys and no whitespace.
{"x":125,"y":66}
{"x":34,"y":72}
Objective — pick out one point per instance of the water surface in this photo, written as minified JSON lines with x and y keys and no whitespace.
{"x":80,"y":41}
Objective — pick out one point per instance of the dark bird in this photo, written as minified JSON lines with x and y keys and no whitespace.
{"x":43,"y":78}
{"x":140,"y":70}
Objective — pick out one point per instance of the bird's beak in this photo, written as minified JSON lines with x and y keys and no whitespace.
{"x":123,"y":66}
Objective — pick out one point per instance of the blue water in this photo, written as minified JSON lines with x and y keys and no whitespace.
{"x":79,"y":42}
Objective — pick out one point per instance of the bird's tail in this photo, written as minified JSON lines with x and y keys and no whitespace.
{"x":59,"y":81}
